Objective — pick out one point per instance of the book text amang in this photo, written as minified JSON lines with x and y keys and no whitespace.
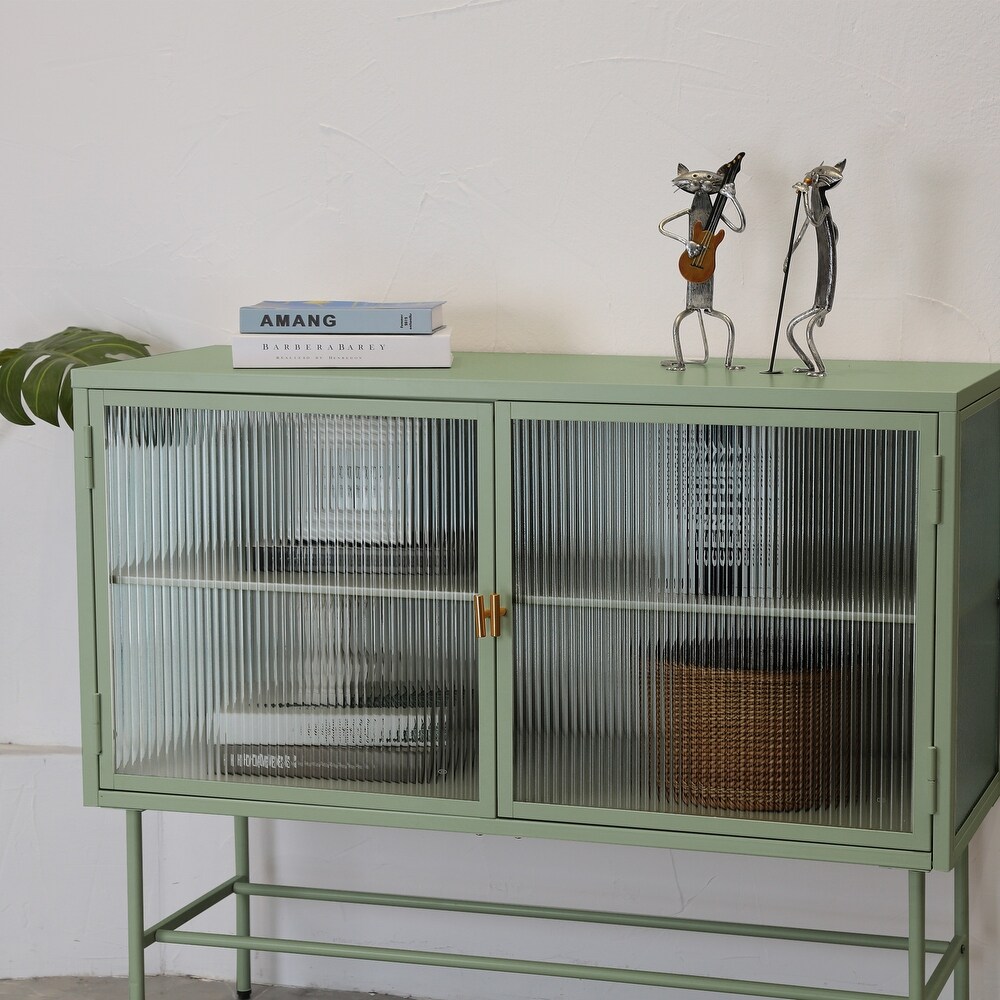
{"x":299,"y":320}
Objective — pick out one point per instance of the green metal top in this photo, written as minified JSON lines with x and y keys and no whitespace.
{"x":848,"y":385}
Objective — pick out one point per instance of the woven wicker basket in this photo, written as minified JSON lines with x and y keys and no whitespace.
{"x":748,"y":740}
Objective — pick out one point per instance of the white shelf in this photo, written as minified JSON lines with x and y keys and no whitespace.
{"x":721,"y":606}
{"x":287,"y":583}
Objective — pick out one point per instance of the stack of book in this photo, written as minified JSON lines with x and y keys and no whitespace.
{"x":342,"y":335}
{"x":370,"y":743}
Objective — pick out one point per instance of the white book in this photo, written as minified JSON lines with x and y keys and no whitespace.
{"x":329,"y":727}
{"x":345,"y":350}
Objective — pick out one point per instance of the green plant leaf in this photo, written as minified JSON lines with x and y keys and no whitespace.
{"x":41,"y":388}
{"x":36,"y":374}
{"x":66,"y":401}
{"x":11,"y":376}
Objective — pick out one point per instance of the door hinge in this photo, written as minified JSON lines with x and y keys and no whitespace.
{"x":95,"y":731}
{"x":88,"y":457}
{"x":932,"y":778}
{"x":937,"y":487}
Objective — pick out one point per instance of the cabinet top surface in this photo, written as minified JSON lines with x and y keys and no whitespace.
{"x":868,"y":385}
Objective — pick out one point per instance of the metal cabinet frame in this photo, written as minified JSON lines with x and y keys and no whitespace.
{"x":938,"y":400}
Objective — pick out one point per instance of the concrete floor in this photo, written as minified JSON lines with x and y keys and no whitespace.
{"x":157,"y":988}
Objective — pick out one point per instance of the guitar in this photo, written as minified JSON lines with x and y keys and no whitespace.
{"x":701,"y":267}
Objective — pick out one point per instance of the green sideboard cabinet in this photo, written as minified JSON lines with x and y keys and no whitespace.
{"x":548,"y":596}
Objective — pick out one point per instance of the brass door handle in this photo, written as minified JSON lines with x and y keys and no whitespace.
{"x":479,"y":605}
{"x":494,"y":613}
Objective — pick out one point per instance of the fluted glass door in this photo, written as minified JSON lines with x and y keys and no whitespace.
{"x":717,"y":619}
{"x":289,"y":595}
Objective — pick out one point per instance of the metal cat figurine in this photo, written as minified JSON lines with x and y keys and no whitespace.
{"x":813,"y":188}
{"x":697,"y":263}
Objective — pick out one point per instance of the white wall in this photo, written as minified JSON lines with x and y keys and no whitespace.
{"x":163,"y":163}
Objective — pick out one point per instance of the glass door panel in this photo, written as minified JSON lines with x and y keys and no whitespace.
{"x":290,"y":598}
{"x":715,"y":620}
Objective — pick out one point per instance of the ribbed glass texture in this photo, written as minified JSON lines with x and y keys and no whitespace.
{"x":715,"y":620}
{"x":290,"y":598}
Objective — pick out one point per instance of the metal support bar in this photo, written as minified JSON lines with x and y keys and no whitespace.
{"x":941,"y":974}
{"x":962,"y":983}
{"x":189,"y":912}
{"x":739,"y":987}
{"x":952,"y":951}
{"x":954,"y":960}
{"x":918,"y":946}
{"x":241,"y":838}
{"x":586,"y":916}
{"x":136,"y":919}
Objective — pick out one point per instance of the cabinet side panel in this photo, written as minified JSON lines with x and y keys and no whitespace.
{"x":90,"y":729}
{"x":978,"y":618}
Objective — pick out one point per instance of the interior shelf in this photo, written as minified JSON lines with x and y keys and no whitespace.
{"x":349,"y":585}
{"x":722,"y":606}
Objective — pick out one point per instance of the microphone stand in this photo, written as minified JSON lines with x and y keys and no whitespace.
{"x":784,"y":286}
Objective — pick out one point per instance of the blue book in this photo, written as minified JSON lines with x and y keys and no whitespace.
{"x":342,"y":317}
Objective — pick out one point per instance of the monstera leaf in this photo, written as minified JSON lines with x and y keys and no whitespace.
{"x":37,"y":374}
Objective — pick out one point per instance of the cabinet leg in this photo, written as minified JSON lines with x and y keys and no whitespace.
{"x":136,"y":918}
{"x":242,"y":841}
{"x":918,"y":935}
{"x":962,"y":925}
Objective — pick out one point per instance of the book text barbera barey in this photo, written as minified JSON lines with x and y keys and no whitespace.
{"x":339,"y":334}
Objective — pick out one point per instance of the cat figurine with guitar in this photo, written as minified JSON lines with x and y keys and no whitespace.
{"x":697,"y":262}
{"x":812,"y":189}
